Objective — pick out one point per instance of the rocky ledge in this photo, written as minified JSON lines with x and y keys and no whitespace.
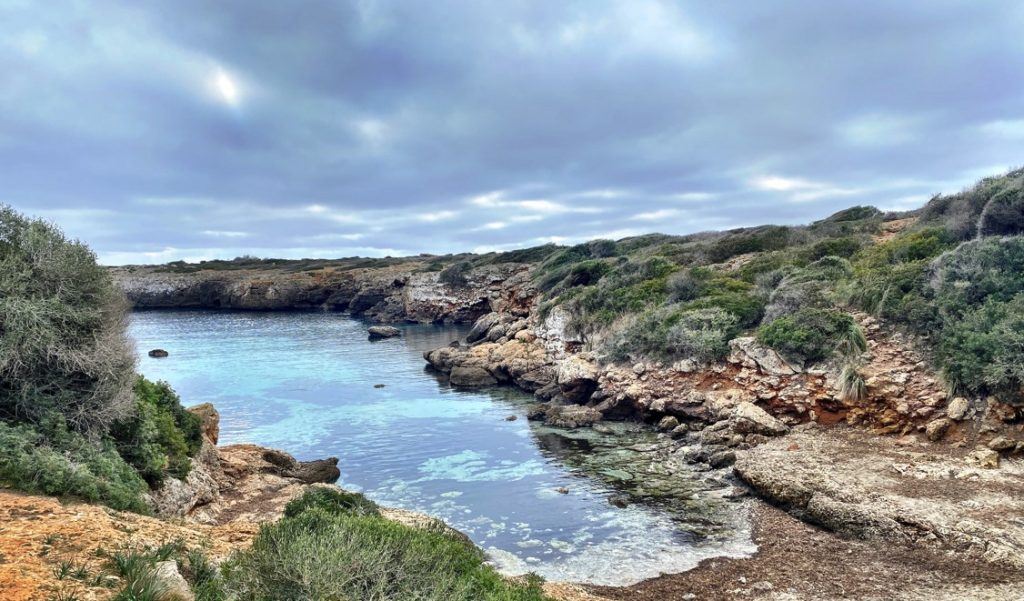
{"x":237,"y":482}
{"x":405,"y":290}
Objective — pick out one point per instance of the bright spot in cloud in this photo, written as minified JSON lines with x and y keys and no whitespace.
{"x":225,"y":87}
{"x":655,"y":215}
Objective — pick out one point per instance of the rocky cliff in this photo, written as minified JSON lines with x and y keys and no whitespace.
{"x":403,"y":290}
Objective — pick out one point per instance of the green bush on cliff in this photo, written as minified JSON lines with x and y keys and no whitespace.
{"x":75,"y":420}
{"x":160,"y":436}
{"x":318,"y":554}
{"x":62,"y":462}
{"x":63,"y":346}
{"x":330,"y":500}
{"x":810,"y":335}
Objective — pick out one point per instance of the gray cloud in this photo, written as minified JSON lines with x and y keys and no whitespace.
{"x":161,"y":130}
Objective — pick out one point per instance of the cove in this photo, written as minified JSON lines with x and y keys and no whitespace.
{"x":309,"y":383}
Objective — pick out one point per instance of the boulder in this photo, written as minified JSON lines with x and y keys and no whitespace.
{"x":471,"y":376}
{"x":381,"y":332}
{"x":577,"y":378}
{"x":171,"y":584}
{"x":481,"y":327}
{"x":958,"y":408}
{"x":748,"y":418}
{"x":936,"y":429}
{"x":747,"y":351}
{"x":668,"y":423}
{"x":158,"y":353}
{"x":307,"y":472}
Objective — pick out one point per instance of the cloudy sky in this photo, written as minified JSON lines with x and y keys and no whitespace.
{"x":158,"y":130}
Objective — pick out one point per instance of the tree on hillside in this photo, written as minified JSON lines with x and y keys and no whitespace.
{"x":64,"y":352}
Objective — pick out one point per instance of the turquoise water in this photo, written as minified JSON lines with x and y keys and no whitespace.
{"x":306,"y":383}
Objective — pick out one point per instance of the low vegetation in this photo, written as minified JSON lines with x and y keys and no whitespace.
{"x":331,"y":546}
{"x":949,"y":272}
{"x":75,"y":419}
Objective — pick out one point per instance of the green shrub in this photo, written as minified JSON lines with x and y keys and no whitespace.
{"x":810,"y":335}
{"x":161,"y":435}
{"x":332,"y":501}
{"x":701,"y":334}
{"x":63,"y":346}
{"x":739,"y":242}
{"x":320,"y":555}
{"x":455,"y":274}
{"x":676,"y":332}
{"x":977,"y":271}
{"x":983,"y":350}
{"x":844,"y":247}
{"x":62,"y":462}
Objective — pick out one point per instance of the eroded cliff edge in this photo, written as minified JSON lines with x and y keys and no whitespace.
{"x":398,"y":290}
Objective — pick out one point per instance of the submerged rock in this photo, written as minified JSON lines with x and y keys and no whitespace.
{"x":571,"y":416}
{"x":381,"y":332}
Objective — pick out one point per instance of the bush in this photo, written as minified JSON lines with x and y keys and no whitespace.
{"x":161,"y":436}
{"x":63,"y":346}
{"x":810,"y":335}
{"x":455,"y":274}
{"x":321,"y":555}
{"x":739,"y":242}
{"x":852,"y":388}
{"x":983,"y":350}
{"x":676,"y":332}
{"x":701,"y":334}
{"x":990,"y":268}
{"x":332,"y":501}
{"x":62,"y":462}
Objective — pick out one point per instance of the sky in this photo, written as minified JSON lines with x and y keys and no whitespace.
{"x":161,"y":130}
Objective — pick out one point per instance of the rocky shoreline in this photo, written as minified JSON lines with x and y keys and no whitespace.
{"x":905,"y":473}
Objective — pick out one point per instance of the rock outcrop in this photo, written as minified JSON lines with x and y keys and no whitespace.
{"x":382,"y":332}
{"x":234,"y":480}
{"x":386,"y":291}
{"x":860,"y":484}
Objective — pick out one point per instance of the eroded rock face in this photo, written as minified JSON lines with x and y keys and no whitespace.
{"x":857,"y":483}
{"x":222,"y":479}
{"x":386,"y":293}
{"x":577,"y":378}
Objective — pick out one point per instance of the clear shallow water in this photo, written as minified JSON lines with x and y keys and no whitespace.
{"x":304,"y":382}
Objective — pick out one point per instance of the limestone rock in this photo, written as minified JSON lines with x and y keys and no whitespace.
{"x":171,"y":583}
{"x":986,"y":458}
{"x":577,"y":378}
{"x":748,"y":418}
{"x":481,"y":327}
{"x":668,"y":423}
{"x":958,"y":408}
{"x":209,"y":420}
{"x":571,"y":416}
{"x":747,"y":351}
{"x":381,"y":332}
{"x":471,"y":376}
{"x":936,"y":429}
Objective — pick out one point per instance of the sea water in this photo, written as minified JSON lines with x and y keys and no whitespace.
{"x":313,"y":385}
